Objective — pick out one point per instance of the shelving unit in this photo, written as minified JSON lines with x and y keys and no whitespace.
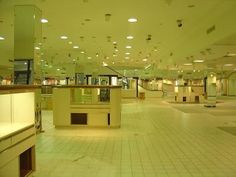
{"x":93,"y":106}
{"x":17,"y":131}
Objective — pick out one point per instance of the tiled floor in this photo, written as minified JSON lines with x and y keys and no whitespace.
{"x":156,"y":139}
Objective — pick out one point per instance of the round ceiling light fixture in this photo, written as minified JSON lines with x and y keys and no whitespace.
{"x":44,"y":20}
{"x":132,"y":20}
{"x":75,"y":47}
{"x":64,"y":37}
{"x":129,"y":37}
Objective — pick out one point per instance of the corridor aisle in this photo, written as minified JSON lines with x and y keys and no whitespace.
{"x":156,"y":139}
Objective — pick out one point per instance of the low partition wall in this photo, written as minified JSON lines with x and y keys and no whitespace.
{"x":128,"y":93}
{"x":94,"y":106}
{"x":151,"y":93}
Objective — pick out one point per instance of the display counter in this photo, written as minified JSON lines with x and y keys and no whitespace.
{"x":17,"y":130}
{"x":189,"y":94}
{"x":94,"y":106}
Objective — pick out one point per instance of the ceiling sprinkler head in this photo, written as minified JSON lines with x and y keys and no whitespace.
{"x":179,"y":23}
{"x":149,"y":37}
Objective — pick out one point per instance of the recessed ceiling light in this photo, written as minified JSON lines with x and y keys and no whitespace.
{"x":58,"y":69}
{"x":89,"y":58}
{"x":228,"y":64}
{"x":114,"y":55}
{"x":155,"y":50}
{"x":37,"y":48}
{"x":145,"y":59}
{"x":114,"y":42}
{"x":44,"y":20}
{"x":126,"y":58}
{"x":74,"y":59}
{"x":129,"y":37}
{"x":116,"y":50}
{"x":194,"y":70}
{"x":113,"y":62}
{"x":198,"y":61}
{"x":69,"y":42}
{"x":2,"y":38}
{"x":127,"y":53}
{"x":75,"y":47}
{"x":188,"y":64}
{"x":64,"y":37}
{"x":25,"y":63}
{"x":82,"y":52}
{"x":41,"y":60}
{"x":104,"y":64}
{"x":128,"y":47}
{"x":132,"y":20}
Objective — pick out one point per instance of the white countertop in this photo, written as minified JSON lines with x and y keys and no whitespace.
{"x":7,"y":129}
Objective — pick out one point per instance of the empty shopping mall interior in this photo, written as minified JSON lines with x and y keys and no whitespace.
{"x":129,"y":88}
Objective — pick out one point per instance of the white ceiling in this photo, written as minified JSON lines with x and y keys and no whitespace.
{"x":83,"y":21}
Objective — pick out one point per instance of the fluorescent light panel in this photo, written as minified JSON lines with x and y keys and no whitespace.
{"x":188,"y":64}
{"x":230,"y":55}
{"x":229,"y":64}
{"x":198,"y":61}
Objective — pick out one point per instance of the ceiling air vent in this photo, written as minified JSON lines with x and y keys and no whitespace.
{"x":108,"y":38}
{"x":107,"y":17}
{"x":211,"y":29}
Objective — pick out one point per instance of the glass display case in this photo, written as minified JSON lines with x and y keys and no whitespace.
{"x":17,"y":130}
